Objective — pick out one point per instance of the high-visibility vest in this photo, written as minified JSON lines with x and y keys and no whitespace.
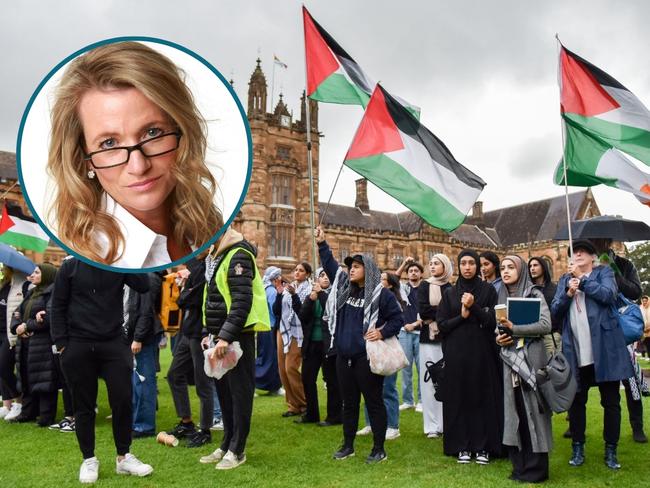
{"x":258,"y":318}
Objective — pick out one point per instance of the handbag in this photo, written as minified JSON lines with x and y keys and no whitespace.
{"x":630,"y":319}
{"x":386,"y":356}
{"x":435,"y":373}
{"x":556,"y":382}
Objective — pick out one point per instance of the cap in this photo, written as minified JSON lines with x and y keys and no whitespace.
{"x":584,"y":244}
{"x":356,"y":258}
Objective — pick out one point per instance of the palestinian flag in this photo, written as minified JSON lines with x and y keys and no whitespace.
{"x":602,"y":120}
{"x":21,"y":231}
{"x":403,"y":158}
{"x":332,"y":75}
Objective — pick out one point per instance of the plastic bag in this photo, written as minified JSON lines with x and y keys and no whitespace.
{"x":386,"y":356}
{"x":216,"y":368}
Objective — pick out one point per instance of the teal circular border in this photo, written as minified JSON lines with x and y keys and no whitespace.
{"x":199,"y":58}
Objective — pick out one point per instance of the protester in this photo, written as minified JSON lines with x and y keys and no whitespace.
{"x":356,"y":301}
{"x":490,"y":269}
{"x":472,"y":405}
{"x":593,"y":343}
{"x":188,"y":360}
{"x":317,"y":353}
{"x":267,"y":375}
{"x":32,"y":325}
{"x":429,"y":295}
{"x":527,"y":419}
{"x":86,"y":324}
{"x":235,"y":308}
{"x":409,"y":336}
{"x":541,"y":276}
{"x":645,"y":310}
{"x":290,"y":337}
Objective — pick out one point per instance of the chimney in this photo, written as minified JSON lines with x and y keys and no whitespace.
{"x":477,"y":210}
{"x":362,"y":195}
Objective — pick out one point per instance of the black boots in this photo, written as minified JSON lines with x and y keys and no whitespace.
{"x":578,"y":454}
{"x":610,"y":457}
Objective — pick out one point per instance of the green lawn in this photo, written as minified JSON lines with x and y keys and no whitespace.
{"x":281,"y":453}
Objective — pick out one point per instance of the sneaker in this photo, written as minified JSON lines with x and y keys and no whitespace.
{"x":482,"y":457}
{"x":133,"y":466}
{"x":213,"y":457}
{"x":201,"y":438}
{"x":217,"y":424}
{"x":89,"y":471}
{"x":376,"y":456}
{"x":62,"y":423}
{"x":418,"y":407}
{"x":183,"y":429}
{"x":406,"y":406}
{"x":3,"y":412}
{"x":344,"y":452}
{"x":231,"y":460}
{"x":434,"y":435}
{"x":142,"y":434}
{"x":639,"y":436}
{"x":392,"y":434}
{"x":367,"y":430}
{"x":68,"y":428}
{"x":464,"y":457}
{"x":15,"y":410}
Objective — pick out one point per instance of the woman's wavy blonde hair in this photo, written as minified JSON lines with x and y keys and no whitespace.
{"x":77,"y":205}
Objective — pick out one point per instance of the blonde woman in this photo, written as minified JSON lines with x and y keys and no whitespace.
{"x":127,"y":153}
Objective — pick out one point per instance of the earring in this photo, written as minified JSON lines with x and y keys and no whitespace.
{"x":91,"y":174}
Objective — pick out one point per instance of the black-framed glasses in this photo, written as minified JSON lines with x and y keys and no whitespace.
{"x":117,"y":156}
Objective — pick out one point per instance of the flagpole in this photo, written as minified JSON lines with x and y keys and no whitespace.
{"x":310,"y":173}
{"x":564,"y":170}
{"x":331,"y":194}
{"x":273,"y":84}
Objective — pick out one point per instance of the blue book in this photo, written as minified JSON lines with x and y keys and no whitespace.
{"x":524,"y":311}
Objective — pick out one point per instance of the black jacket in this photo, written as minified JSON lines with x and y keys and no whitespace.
{"x":41,"y":369}
{"x":190,"y":300}
{"x":628,"y":281}
{"x":306,"y":316}
{"x":227,"y":325}
{"x":87,"y":302}
{"x":143,"y":324}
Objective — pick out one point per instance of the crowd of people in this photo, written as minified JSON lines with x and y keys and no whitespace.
{"x":66,"y":328}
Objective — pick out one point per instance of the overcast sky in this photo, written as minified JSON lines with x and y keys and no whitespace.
{"x":483,"y":72}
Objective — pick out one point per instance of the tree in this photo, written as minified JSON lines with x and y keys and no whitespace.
{"x":640,"y":256}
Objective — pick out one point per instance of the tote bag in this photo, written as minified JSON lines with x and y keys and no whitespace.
{"x":386,"y":356}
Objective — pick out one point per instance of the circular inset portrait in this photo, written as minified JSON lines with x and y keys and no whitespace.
{"x":134,"y":154}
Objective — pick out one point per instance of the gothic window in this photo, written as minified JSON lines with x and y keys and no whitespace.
{"x":283,"y":153}
{"x":430,"y":252}
{"x":344,"y":249}
{"x":282,"y":189}
{"x":398,"y":256}
{"x":281,"y":241}
{"x":369,"y":251}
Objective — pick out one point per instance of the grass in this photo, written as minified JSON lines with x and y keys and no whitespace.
{"x":281,"y":453}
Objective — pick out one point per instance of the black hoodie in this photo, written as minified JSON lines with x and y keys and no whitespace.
{"x":548,"y":289}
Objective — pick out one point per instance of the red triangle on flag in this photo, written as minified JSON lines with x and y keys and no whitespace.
{"x":581,"y":92}
{"x":320,"y":61}
{"x":377,"y":133}
{"x":5,"y":223}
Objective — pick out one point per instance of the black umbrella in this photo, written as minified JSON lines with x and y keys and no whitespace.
{"x":606,"y":227}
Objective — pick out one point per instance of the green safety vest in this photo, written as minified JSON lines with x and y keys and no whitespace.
{"x":258,"y":318}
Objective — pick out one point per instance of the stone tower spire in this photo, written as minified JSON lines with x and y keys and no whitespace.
{"x":257,"y":92}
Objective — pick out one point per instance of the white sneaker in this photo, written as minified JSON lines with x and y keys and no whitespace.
{"x":405,"y":406}
{"x":418,"y":407}
{"x":217,"y":425}
{"x":434,"y":435}
{"x":132,"y":465}
{"x":392,"y":434}
{"x":3,"y":412}
{"x":282,"y":391}
{"x":367,"y":430}
{"x":14,"y":411}
{"x":89,"y":470}
{"x":231,"y":460}
{"x":213,"y":457}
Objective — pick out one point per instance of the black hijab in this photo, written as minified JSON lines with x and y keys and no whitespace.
{"x":464,"y":285}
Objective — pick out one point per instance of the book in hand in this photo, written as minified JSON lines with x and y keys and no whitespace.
{"x":524,"y":311}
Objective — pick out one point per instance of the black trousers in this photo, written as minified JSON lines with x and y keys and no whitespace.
{"x":312,"y":361}
{"x":187,"y":363}
{"x":356,"y":379}
{"x":610,"y":400}
{"x":634,"y":408}
{"x":44,"y":405}
{"x":68,"y":410}
{"x":83,"y":364}
{"x":8,"y":380}
{"x":527,"y":465}
{"x":236,"y":390}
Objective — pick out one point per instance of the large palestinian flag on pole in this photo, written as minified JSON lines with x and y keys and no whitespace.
{"x":332,"y":75}
{"x":21,"y":231}
{"x":403,"y":158}
{"x":601,"y":120}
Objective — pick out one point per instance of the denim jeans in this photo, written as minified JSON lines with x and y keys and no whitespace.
{"x":217,"y":407}
{"x":145,"y":392}
{"x":411,"y":345}
{"x":391,"y":402}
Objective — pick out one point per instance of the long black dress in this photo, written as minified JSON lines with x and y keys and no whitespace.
{"x":473,"y":404}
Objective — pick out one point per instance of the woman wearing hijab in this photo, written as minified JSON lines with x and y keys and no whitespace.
{"x":32,"y":324}
{"x":472,"y":407}
{"x":429,"y":296}
{"x":527,"y":419}
{"x":267,"y":376}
